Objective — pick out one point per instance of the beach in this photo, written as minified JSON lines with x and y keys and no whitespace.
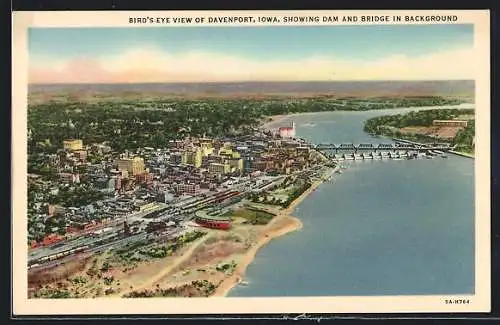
{"x":291,"y":224}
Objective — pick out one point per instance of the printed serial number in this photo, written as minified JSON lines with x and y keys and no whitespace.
{"x":457,"y":301}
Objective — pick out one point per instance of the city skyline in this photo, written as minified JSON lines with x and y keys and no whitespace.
{"x":225,"y":54}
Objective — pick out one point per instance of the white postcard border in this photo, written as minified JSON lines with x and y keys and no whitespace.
{"x":480,"y":302}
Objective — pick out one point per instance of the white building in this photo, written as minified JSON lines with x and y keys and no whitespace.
{"x":288,"y":131}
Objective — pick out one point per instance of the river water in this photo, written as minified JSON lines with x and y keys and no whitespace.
{"x":380,"y":228}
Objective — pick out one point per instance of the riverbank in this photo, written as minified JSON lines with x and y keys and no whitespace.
{"x":291,"y":224}
{"x":463,"y":154}
{"x":197,"y":263}
{"x":266,"y":236}
{"x":351,"y":195}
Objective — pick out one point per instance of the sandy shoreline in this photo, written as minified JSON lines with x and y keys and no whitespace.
{"x":227,"y":284}
{"x":277,"y":119}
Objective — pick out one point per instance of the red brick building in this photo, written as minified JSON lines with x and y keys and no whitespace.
{"x":213,"y":223}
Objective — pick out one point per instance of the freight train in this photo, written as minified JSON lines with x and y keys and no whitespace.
{"x":53,"y":257}
{"x":217,"y":198}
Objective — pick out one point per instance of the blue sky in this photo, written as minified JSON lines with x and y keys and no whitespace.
{"x":58,"y":46}
{"x":362,"y":42}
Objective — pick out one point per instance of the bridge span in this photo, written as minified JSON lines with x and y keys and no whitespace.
{"x":376,"y":155}
{"x":399,"y":150}
{"x":380,"y":147}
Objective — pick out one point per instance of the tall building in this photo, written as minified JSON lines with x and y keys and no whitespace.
{"x":194,"y":157}
{"x":73,"y":144}
{"x":133,"y":166}
{"x":236,"y":163}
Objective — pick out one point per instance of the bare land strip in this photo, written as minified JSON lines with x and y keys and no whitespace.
{"x":39,"y":98}
{"x":442,"y":132}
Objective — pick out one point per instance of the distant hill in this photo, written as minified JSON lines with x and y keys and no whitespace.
{"x":462,"y":88}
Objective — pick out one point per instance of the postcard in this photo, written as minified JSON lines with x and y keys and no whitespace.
{"x":235,"y":162}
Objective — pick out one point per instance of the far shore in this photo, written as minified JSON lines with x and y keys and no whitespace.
{"x":273,"y":120}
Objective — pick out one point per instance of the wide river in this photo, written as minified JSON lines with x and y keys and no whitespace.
{"x":380,"y":228}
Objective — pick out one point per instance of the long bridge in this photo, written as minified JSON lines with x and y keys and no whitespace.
{"x":399,"y":149}
{"x":379,"y":147}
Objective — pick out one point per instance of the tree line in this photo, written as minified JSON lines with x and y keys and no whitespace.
{"x":130,"y":125}
{"x":390,"y":125}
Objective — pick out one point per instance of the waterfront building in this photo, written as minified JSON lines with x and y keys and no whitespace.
{"x":133,"y":166}
{"x":73,"y":144}
{"x":214,"y":222}
{"x":288,"y":131}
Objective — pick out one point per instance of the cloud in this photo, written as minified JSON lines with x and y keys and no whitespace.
{"x":150,"y":65}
